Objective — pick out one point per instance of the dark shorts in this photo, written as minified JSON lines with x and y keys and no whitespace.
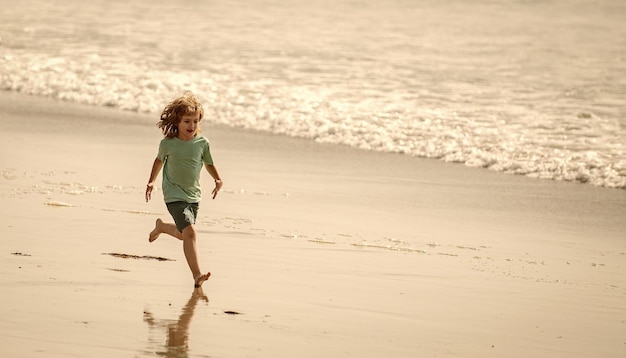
{"x":184,"y":214}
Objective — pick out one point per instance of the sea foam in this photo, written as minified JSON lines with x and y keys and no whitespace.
{"x":587,"y":148}
{"x":587,"y":151}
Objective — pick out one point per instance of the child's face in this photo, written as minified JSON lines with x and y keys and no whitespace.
{"x":188,"y":126}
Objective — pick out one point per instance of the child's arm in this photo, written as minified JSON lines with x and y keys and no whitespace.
{"x":156,"y":168}
{"x":216,"y":176}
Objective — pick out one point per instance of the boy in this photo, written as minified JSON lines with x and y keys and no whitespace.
{"x":182,"y":154}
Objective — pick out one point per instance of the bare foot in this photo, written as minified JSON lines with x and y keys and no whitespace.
{"x":154,"y":234}
{"x":200,"y":279}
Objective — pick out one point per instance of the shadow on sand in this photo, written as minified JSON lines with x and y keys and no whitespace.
{"x":177,"y":331}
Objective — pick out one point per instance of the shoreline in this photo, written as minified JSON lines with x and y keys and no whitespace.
{"x":17,"y":99}
{"x":323,"y":249}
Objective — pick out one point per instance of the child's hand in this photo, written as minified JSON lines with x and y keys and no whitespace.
{"x":218,"y":186}
{"x":149,"y":188}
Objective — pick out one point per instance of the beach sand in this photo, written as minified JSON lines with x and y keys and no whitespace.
{"x":315,"y":250}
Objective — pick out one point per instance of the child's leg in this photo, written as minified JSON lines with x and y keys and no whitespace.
{"x":164,"y":228}
{"x":191,"y":254}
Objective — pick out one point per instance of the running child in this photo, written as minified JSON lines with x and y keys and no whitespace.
{"x":182,"y":154}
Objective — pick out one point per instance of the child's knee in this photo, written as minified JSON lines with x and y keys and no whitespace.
{"x":189,"y":232}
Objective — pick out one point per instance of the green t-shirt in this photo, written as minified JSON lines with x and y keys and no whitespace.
{"x":182,"y":163}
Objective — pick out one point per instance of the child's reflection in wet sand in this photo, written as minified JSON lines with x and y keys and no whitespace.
{"x":177,"y":331}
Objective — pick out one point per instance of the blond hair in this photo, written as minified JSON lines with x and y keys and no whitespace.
{"x":174,"y":112}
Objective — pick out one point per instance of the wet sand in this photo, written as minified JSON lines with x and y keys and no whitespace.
{"x":315,"y":250}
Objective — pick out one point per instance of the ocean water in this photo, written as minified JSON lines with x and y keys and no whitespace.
{"x":531,"y":87}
